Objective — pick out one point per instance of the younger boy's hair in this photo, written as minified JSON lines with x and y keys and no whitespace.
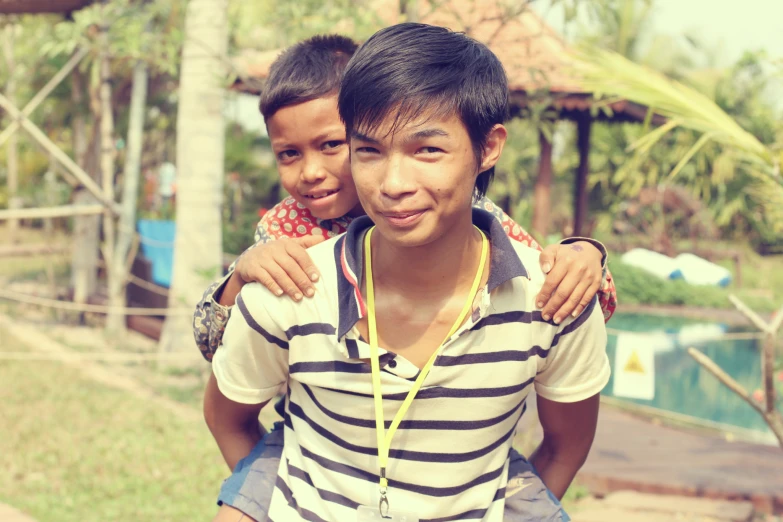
{"x":306,"y":71}
{"x":416,"y":69}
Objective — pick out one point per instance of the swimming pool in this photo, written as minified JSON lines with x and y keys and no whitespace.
{"x":681,"y":385}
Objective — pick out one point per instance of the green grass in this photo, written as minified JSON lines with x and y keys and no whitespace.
{"x":74,"y":450}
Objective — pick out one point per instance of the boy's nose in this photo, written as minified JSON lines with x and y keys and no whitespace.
{"x":312,"y":171}
{"x":396,"y":181}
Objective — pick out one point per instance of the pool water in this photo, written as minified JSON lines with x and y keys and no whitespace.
{"x":681,"y":385}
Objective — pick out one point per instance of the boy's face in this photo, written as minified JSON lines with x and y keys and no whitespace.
{"x":417,"y":183}
{"x":309,"y":143}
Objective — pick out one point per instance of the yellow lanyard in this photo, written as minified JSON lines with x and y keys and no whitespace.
{"x":385,"y":437}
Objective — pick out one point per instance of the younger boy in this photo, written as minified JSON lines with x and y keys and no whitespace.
{"x":398,"y":319}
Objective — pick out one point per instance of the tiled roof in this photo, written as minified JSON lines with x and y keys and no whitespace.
{"x":534,"y":55}
{"x":41,"y":6}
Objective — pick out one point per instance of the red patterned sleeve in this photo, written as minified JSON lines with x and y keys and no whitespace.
{"x":607,"y":294}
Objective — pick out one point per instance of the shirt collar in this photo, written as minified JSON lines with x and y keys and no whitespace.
{"x":349,"y":259}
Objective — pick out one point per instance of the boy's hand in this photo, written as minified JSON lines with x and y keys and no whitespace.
{"x":574,"y":275}
{"x":283,"y":266}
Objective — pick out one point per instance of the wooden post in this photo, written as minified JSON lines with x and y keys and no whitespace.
{"x":542,"y":202}
{"x":583,"y":125}
{"x":84,"y":260}
{"x":12,"y":160}
{"x":131,"y":175}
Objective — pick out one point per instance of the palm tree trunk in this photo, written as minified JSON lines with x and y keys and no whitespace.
{"x":200,"y":158}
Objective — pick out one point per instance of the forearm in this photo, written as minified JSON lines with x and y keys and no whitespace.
{"x":227,"y":296}
{"x":237,"y":443}
{"x":235,"y":427}
{"x":209,"y":322}
{"x":557,"y":468}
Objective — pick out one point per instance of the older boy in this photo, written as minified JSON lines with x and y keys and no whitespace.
{"x":424,"y":109}
{"x":299,"y":105}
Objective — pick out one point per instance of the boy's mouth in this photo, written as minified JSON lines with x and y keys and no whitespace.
{"x":321,"y":195}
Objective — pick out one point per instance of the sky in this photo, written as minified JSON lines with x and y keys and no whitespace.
{"x":727,"y":28}
{"x":732,"y":26}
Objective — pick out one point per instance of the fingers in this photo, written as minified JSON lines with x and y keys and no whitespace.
{"x":278,"y":276}
{"x":260,"y":275}
{"x":558,"y":286}
{"x":568,"y":289}
{"x":547,"y":258}
{"x":283,"y":267}
{"x":573,"y":304}
{"x":308,"y":241}
{"x":588,"y":295}
{"x":551,"y":283}
{"x":296,"y":249}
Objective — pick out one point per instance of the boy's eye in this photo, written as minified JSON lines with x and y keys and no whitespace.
{"x":366,"y":150}
{"x":429,"y":150}
{"x":287,"y":154}
{"x":333,"y":144}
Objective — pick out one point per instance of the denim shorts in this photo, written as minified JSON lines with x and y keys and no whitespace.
{"x":249,"y":489}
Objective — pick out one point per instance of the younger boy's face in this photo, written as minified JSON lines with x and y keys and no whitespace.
{"x":312,"y":155}
{"x":417,"y":183}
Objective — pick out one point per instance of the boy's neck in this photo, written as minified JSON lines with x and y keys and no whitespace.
{"x":438,"y":267}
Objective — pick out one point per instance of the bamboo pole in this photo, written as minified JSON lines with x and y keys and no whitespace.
{"x":767,"y":409}
{"x":51,"y":212}
{"x":37,"y":249}
{"x":43,"y":94}
{"x":12,"y":157}
{"x":59,"y":155}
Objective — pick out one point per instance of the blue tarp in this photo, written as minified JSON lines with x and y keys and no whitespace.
{"x":157,"y":245}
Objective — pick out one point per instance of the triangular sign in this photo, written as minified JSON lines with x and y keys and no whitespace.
{"x":634,"y":365}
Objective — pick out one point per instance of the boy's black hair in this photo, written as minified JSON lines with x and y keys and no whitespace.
{"x":415,"y":68}
{"x":306,"y":71}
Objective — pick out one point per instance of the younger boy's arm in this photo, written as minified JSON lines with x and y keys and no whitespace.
{"x":281,"y":265}
{"x":210,"y":317}
{"x":248,"y":371}
{"x":562,"y":296}
{"x":569,"y":380}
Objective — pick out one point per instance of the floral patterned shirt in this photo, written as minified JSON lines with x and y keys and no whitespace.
{"x":291,"y":219}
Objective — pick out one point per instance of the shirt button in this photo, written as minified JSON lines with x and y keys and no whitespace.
{"x":392,"y":364}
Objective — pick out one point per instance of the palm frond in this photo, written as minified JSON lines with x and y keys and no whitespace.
{"x":608,"y":74}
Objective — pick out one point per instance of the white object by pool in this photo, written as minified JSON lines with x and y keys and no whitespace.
{"x":660,"y":265}
{"x":698,"y":271}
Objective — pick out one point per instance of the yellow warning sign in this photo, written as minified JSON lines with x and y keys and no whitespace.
{"x":634,"y":364}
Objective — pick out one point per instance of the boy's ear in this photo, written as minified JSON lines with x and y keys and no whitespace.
{"x":496,"y":139}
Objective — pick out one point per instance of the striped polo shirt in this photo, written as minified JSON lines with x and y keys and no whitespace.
{"x":449,"y":458}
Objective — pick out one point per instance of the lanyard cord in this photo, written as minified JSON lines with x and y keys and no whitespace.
{"x":385,"y":437}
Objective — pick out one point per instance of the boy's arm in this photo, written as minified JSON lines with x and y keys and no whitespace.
{"x":234,"y":426}
{"x":571,"y":297}
{"x":210,"y":317}
{"x":281,"y":265}
{"x":569,"y":429}
{"x":568,"y":382}
{"x":248,"y":371}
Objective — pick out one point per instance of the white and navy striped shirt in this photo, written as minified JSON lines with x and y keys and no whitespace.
{"x":449,"y":457}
